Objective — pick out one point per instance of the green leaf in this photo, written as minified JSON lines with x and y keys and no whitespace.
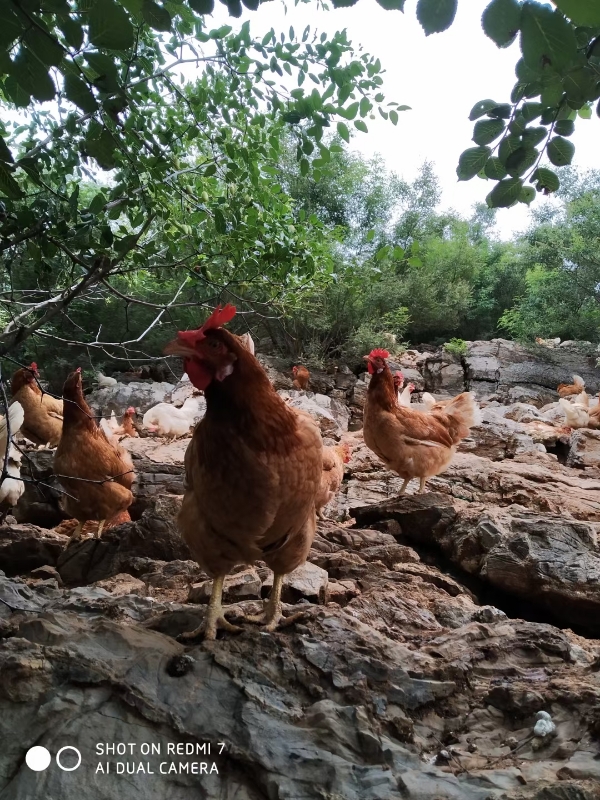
{"x":370,"y":235}
{"x":560,"y":151}
{"x":503,"y":111}
{"x":98,"y":203}
{"x":101,"y":145}
{"x":585,"y":112}
{"x":202,"y":6}
{"x":109,"y":26}
{"x":547,"y":39}
{"x":44,"y":47}
{"x":481,"y":108}
{"x":521,"y":160}
{"x":495,"y":169}
{"x":580,"y":12}
{"x":547,"y":180}
{"x":527,"y":195}
{"x":382,"y":252}
{"x":78,"y":93}
{"x":508,"y":145}
{"x":392,"y":5}
{"x":413,"y":261}
{"x":104,"y":66}
{"x":436,"y":16}
{"x":72,"y":31}
{"x":580,"y":84}
{"x":343,"y":131}
{"x":501,"y":20}
{"x":531,"y":111}
{"x":156,"y":16}
{"x":220,"y":224}
{"x":398,"y":253}
{"x":486,"y":130}
{"x":8,"y":185}
{"x":564,"y":127}
{"x":505,"y":193}
{"x":344,"y":3}
{"x":5,"y":154}
{"x":471,"y":162}
{"x":304,"y":167}
{"x":235,"y":8}
{"x":361,"y":126}
{"x":394,"y":117}
{"x":211,"y":169}
{"x":533,"y":136}
{"x":32,"y":76}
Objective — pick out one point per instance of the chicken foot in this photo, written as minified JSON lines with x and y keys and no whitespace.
{"x":422,"y":485}
{"x":101,"y":525}
{"x":404,"y":485}
{"x":215,"y":616}
{"x":273,"y":611}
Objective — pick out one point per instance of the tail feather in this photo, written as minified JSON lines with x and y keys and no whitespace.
{"x":428,"y":401}
{"x":578,"y":381}
{"x":465,"y":409}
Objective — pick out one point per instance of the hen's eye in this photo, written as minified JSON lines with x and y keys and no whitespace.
{"x":213,"y":343}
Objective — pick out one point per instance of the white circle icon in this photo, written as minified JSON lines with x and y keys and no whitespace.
{"x":62,"y":750}
{"x":38,"y":758}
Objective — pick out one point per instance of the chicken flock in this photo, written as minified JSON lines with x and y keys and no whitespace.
{"x":257,"y":474}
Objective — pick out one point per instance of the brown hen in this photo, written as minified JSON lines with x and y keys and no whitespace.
{"x":43,"y":413}
{"x":96,"y":473}
{"x":412,"y":443}
{"x":252,"y":469}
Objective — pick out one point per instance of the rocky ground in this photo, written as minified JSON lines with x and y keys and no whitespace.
{"x":435,"y":630}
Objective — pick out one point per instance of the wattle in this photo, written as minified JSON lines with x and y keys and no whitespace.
{"x":198,"y":373}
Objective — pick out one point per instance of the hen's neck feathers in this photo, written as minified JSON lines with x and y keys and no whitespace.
{"x":382,"y":390}
{"x":247,"y":401}
{"x":76,"y":411}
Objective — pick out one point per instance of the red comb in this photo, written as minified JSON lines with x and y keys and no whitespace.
{"x":78,"y":369}
{"x":219,"y":317}
{"x":33,"y":366}
{"x":379,"y":353}
{"x":399,"y":374}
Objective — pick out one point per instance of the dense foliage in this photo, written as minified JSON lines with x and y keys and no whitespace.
{"x":150,"y":163}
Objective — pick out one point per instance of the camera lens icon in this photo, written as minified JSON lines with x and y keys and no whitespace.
{"x":38,"y":758}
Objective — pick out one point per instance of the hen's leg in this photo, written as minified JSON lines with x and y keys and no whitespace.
{"x":404,"y":485}
{"x":273,"y":611}
{"x":215,"y":616}
{"x":422,"y":485}
{"x":101,"y":525}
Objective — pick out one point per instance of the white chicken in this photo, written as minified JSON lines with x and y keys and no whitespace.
{"x":104,"y":381}
{"x":12,"y":486}
{"x":404,"y":396}
{"x":171,"y":422}
{"x":577,"y":414}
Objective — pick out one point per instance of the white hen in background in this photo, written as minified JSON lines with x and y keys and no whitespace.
{"x":104,"y":381}
{"x":167,"y":420}
{"x":404,"y":396}
{"x":12,"y":486}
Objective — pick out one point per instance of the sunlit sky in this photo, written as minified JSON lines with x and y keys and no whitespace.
{"x":440,"y":76}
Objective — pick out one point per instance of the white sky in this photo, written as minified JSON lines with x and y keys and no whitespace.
{"x":441,"y":77}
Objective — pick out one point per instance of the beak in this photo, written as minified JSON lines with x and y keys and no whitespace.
{"x":178,"y":348}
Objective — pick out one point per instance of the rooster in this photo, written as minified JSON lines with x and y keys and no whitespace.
{"x":412,"y":443}
{"x":570,"y":389}
{"x":253,"y":469}
{"x":95,"y":471}
{"x":301,"y":377}
{"x":334,"y":459}
{"x":43,"y":413}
